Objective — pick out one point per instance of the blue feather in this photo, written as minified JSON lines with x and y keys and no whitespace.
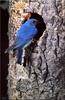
{"x":25,"y":33}
{"x":24,"y":36}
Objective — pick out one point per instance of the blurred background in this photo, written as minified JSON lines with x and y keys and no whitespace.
{"x":4,"y":17}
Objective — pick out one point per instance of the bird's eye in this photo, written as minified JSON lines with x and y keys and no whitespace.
{"x":34,"y":21}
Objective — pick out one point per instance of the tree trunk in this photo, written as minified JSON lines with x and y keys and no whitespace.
{"x":47,"y":60}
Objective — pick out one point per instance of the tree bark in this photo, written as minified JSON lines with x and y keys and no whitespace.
{"x":47,"y":60}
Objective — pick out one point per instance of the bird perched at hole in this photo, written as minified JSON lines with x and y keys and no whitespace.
{"x":41,"y":26}
{"x":24,"y":37}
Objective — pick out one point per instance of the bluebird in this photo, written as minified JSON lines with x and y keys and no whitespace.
{"x":24,"y":37}
{"x":41,"y":26}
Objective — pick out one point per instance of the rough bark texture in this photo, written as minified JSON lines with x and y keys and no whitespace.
{"x":47,"y":60}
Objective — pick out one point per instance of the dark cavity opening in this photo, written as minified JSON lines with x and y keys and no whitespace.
{"x":41,"y":26}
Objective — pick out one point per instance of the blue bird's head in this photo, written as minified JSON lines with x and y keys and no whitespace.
{"x":32,"y":21}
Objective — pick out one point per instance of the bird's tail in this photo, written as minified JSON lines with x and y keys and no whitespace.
{"x":19,"y":56}
{"x":9,"y":48}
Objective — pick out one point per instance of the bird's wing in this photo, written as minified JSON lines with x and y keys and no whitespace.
{"x":26,"y":27}
{"x":25,"y":34}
